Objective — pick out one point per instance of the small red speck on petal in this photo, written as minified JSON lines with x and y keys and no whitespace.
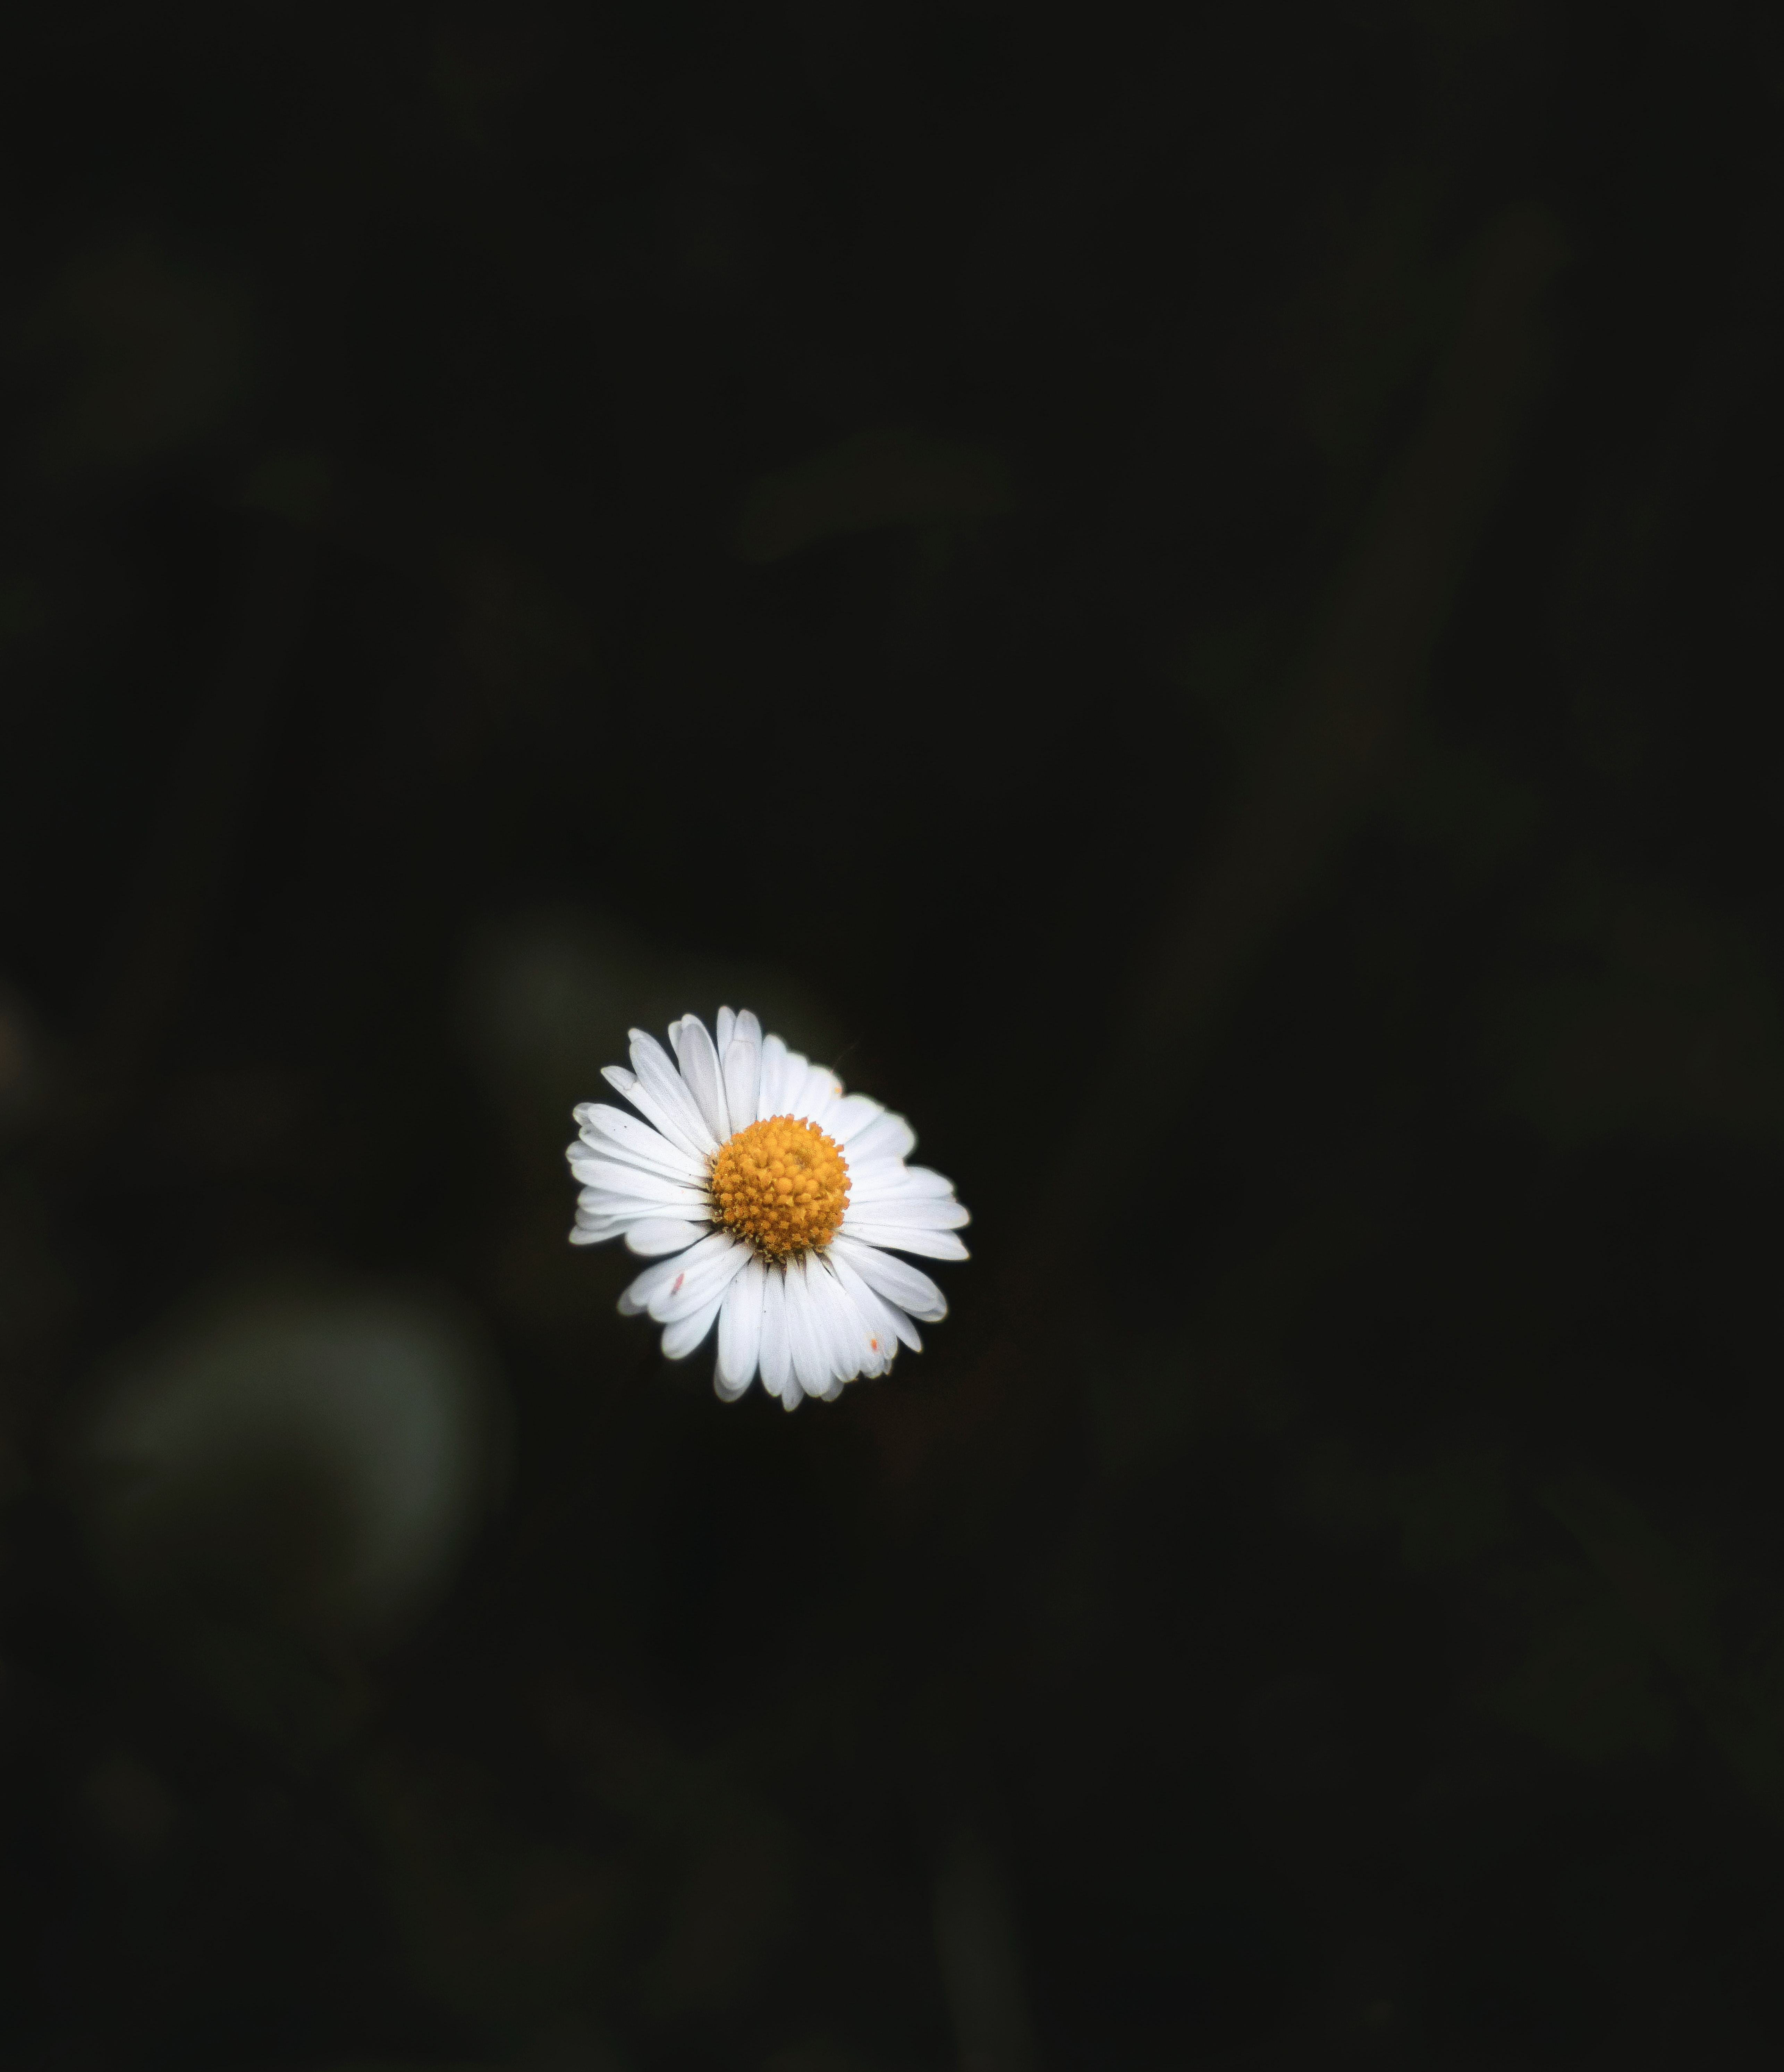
{"x":679,"y":1279}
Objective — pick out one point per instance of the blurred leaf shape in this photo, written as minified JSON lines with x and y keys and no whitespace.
{"x":517,"y":635}
{"x":500,"y":1925}
{"x":303,"y":1462}
{"x":21,"y":1062}
{"x":479,"y":69}
{"x":735,"y":1904}
{"x":1377,"y":318}
{"x":1667,"y":1025}
{"x":291,"y":484}
{"x":1620,"y":1644}
{"x":817,"y":2055}
{"x":547,"y":998}
{"x":896,"y":477}
{"x":23,"y":612}
{"x":1461,"y":803}
{"x":1233,"y":669}
{"x":157,"y":353}
{"x":1588,"y":1687}
{"x":126,"y":1801}
{"x":979,"y":1950}
{"x":1670,"y":1597}
{"x":1454,"y":1508}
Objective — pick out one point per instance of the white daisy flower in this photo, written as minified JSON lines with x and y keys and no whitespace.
{"x":776,"y":1202}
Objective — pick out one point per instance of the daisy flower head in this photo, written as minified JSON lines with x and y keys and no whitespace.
{"x":772,"y":1203}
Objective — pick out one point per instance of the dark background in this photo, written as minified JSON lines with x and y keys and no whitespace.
{"x":1195,"y":600}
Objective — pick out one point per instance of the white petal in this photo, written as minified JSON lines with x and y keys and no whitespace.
{"x":792,"y":1394}
{"x":795,"y":1067}
{"x":769,"y":1054}
{"x":666,"y":1119}
{"x":775,"y":1357}
{"x":598,"y":1230}
{"x":686,"y":1332}
{"x":740,"y":1082}
{"x":724,"y":1023}
{"x":749,"y":1029}
{"x":627,"y":1223}
{"x":782,"y":1074}
{"x":699,"y":1070}
{"x":652,"y":1235}
{"x":618,"y":1134}
{"x":913,"y":1212}
{"x":609,"y":1222}
{"x":813,"y":1101}
{"x":887,"y":1135}
{"x":805,"y":1333}
{"x":699,"y":1282}
{"x":666,"y":1200}
{"x":621,"y":1212}
{"x":872,"y":1321}
{"x":658,"y":1077}
{"x":846,"y":1333}
{"x":617,"y":1177}
{"x":891,"y":1237}
{"x":850,"y":1116}
{"x":740,"y":1330}
{"x":905,"y":1286}
{"x":885,"y":1323}
{"x":655,"y":1279}
{"x":898,"y":1182}
{"x":580,"y":1155}
{"x":822,"y":1292}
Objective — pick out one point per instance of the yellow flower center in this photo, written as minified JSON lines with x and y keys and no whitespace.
{"x":782,"y":1184}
